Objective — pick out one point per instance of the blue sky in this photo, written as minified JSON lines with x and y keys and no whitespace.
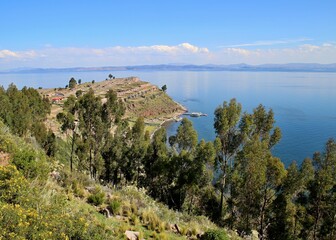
{"x":58,"y":33}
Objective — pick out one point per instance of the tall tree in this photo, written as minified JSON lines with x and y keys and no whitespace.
{"x":289,"y":207}
{"x":91,"y":128}
{"x":157,"y":166}
{"x":199,"y":174}
{"x":68,"y":120}
{"x":137,"y":152}
{"x":72,"y":83}
{"x":256,"y":179}
{"x":184,"y":144}
{"x":185,"y":138}
{"x":257,"y":174}
{"x":227,"y":143}
{"x":323,"y":192}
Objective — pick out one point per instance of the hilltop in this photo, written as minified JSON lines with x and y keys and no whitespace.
{"x":141,"y":99}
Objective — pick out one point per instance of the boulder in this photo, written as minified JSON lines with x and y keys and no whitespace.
{"x":131,"y":235}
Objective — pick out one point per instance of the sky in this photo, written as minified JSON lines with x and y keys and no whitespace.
{"x":63,"y":33}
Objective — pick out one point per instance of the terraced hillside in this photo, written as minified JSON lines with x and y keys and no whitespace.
{"x":140,"y":98}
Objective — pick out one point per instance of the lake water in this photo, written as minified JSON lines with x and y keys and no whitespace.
{"x":303,"y":103}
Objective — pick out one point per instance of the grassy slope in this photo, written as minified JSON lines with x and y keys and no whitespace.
{"x":61,"y":203}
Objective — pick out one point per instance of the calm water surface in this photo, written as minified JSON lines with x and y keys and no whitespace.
{"x":303,"y":103}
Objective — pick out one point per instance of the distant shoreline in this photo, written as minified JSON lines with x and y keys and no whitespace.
{"x":290,"y":67}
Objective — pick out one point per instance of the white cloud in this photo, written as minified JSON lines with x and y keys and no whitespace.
{"x":307,"y":53}
{"x":268,"y":43}
{"x":6,"y":53}
{"x":163,"y":54}
{"x":18,"y":55}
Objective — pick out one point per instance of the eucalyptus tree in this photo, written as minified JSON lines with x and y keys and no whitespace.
{"x":113,"y":109}
{"x":21,"y":113}
{"x":91,"y":128}
{"x":257,"y":174}
{"x":137,"y":152}
{"x":114,"y":148}
{"x":157,"y":166}
{"x":227,"y":142}
{"x":290,"y":206}
{"x":323,"y":194}
{"x":184,"y":145}
{"x":200,"y":174}
{"x":185,"y":138}
{"x":6,"y":113}
{"x":67,"y":119}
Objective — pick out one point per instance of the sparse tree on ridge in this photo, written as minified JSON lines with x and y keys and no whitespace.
{"x":72,"y":83}
{"x":164,"y":88}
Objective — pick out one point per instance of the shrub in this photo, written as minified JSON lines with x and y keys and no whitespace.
{"x":134,"y":219}
{"x":153,"y":222}
{"x":31,"y":163}
{"x":97,"y":197}
{"x":12,"y":184}
{"x":78,"y":190}
{"x":214,"y":235}
{"x":184,"y":230}
{"x":160,"y":236}
{"x":126,"y":210}
{"x":134,"y":208}
{"x":79,"y":93}
{"x":115,"y":206}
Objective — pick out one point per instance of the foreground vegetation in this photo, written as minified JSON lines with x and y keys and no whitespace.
{"x":41,"y":199}
{"x":235,"y":181}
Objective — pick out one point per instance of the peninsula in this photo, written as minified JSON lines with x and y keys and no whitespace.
{"x":141,"y":99}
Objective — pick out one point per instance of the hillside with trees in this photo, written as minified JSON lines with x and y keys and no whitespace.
{"x":108,"y":176}
{"x":139,"y":98}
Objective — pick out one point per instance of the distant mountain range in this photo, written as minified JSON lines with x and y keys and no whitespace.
{"x":290,"y":67}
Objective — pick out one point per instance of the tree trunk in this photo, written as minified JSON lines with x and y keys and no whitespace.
{"x":316,"y":220}
{"x":138,"y":172}
{"x":72,"y":149}
{"x":91,"y":174}
{"x":222,"y":188}
{"x":262,"y":218}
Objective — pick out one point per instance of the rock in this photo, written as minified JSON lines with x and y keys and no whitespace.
{"x":105,"y":212}
{"x":90,"y":188}
{"x":55,"y":175}
{"x":130,"y":235}
{"x":199,"y":235}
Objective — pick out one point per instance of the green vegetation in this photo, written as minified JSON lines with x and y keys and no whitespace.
{"x":97,"y":197}
{"x":108,"y":177}
{"x":72,"y":83}
{"x":164,"y":88}
{"x":214,"y":235}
